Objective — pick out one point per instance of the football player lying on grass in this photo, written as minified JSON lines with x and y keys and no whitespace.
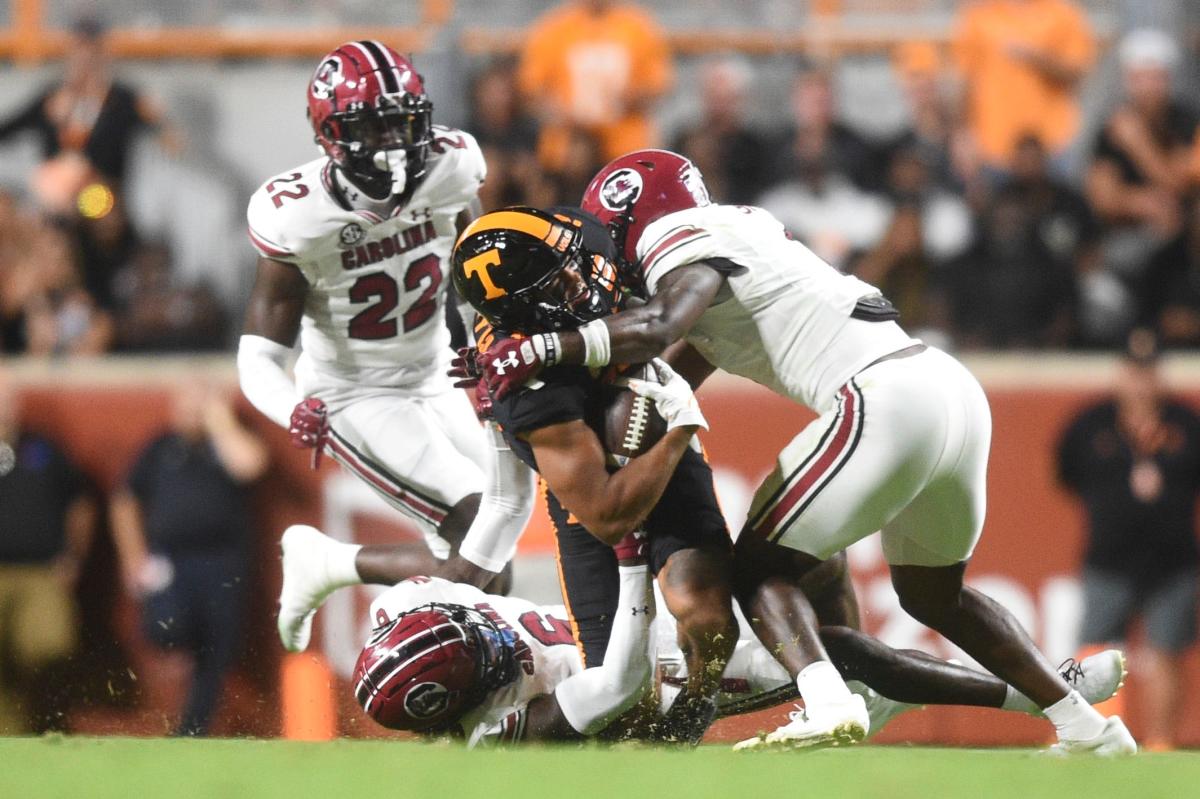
{"x":447,"y":658}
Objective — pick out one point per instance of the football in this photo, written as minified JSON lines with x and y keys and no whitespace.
{"x":632,"y":424}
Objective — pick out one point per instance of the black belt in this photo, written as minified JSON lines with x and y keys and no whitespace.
{"x":874,"y":308}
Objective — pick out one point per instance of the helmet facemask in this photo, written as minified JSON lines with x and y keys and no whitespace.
{"x":584,"y":288}
{"x":382,"y":150}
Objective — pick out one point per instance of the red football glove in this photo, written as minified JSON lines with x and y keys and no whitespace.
{"x":631,"y":550}
{"x":465,"y":369}
{"x":309,"y":427}
{"x":509,"y":364}
{"x":483,"y":401}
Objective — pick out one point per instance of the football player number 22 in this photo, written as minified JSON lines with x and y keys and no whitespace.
{"x":372,"y":324}
{"x":294,"y":192}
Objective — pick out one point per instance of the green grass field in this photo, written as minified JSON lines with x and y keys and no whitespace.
{"x":91,"y":768}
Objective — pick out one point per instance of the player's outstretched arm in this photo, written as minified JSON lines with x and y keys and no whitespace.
{"x":504,"y":510}
{"x":272,"y":323}
{"x":586,"y":703}
{"x":634,"y":335}
{"x":639,"y":334}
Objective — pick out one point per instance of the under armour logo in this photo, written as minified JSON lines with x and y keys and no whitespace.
{"x":510,"y":360}
{"x":643,"y":609}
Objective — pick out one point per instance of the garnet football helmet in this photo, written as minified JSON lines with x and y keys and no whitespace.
{"x":527,"y":271}
{"x":426,"y":668}
{"x":367,"y":104}
{"x":636,"y":189}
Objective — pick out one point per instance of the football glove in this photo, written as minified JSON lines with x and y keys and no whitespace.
{"x":465,"y":369}
{"x":631,"y":550}
{"x":309,"y":427}
{"x":673,"y":397}
{"x":511,"y":363}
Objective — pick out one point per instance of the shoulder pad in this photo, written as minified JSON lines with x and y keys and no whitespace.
{"x":288,"y":213}
{"x":456,"y":170}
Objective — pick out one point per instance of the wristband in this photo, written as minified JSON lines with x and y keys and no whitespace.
{"x":597,"y":349}
{"x":547,"y":347}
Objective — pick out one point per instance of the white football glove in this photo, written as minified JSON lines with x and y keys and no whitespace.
{"x":396,"y":162}
{"x":673,"y":397}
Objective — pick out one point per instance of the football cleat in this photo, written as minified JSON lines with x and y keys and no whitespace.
{"x":880,"y":709}
{"x":1097,"y":677}
{"x":306,"y":583}
{"x":841,"y":724}
{"x":1113,"y":741}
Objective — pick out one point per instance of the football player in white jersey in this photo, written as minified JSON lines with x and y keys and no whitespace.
{"x":354,"y":249}
{"x":900,"y":446}
{"x":447,"y":657}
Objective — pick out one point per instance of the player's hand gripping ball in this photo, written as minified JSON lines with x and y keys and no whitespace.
{"x":632,"y":423}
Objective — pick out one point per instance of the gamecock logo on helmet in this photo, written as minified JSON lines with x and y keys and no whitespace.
{"x":621,"y":189}
{"x":328,"y":78}
{"x":426,"y":700}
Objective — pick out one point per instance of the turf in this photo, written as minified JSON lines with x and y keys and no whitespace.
{"x":92,"y":768}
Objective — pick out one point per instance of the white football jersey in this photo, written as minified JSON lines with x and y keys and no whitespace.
{"x":374,"y":311}
{"x":786,"y":323}
{"x":545,"y":649}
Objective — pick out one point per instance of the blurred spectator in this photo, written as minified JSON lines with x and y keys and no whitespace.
{"x":815,"y":136}
{"x":929,"y":227}
{"x":934,"y":128}
{"x":86,"y":121}
{"x":182,"y":528}
{"x":506,"y":133}
{"x":1138,"y":174}
{"x":1134,"y":462}
{"x":594,"y":67}
{"x":1170,"y":295}
{"x":733,"y":157}
{"x":153,"y":315}
{"x":1016,"y":287}
{"x":47,"y":520}
{"x":44,"y":308}
{"x":86,"y":124}
{"x":1022,"y":62}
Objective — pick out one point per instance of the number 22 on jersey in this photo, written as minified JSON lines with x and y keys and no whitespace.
{"x":381,"y":291}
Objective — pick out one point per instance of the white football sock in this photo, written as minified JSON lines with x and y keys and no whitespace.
{"x":1074,"y":719}
{"x":339,"y":564}
{"x":821,"y":684}
{"x":1016,"y":701}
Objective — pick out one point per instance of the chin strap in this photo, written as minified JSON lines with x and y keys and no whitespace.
{"x":395,"y":162}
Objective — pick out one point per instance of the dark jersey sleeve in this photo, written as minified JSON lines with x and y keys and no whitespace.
{"x":559,"y":395}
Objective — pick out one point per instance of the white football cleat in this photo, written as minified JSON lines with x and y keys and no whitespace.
{"x":1097,"y":677}
{"x":306,"y":583}
{"x":1113,"y":741}
{"x":841,"y":724}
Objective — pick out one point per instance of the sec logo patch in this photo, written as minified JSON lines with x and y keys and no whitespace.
{"x":351,"y":234}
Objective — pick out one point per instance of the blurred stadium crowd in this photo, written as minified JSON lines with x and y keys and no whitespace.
{"x":1032,"y":183}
